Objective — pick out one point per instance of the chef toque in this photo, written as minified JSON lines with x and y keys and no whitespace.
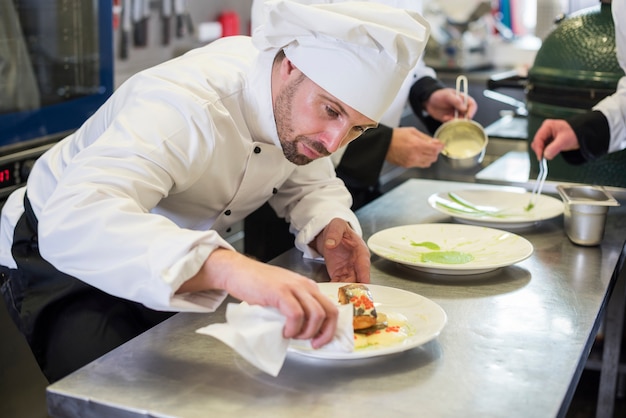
{"x":359,"y":52}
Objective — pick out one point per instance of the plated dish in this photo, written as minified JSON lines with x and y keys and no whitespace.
{"x":423,"y":321}
{"x":450,"y":248}
{"x":496,"y":208}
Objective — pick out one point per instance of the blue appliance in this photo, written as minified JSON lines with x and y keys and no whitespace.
{"x":56,"y":70}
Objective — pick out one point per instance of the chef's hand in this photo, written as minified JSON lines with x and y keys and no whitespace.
{"x":310,"y":313}
{"x":346,"y":254}
{"x":552,"y":137}
{"x":443,"y":102}
{"x":412,"y":148}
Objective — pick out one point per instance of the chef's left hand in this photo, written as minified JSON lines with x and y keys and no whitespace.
{"x":346,"y":254}
{"x":443,"y":102}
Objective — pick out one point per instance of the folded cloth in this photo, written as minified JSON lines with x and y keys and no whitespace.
{"x":256,"y":333}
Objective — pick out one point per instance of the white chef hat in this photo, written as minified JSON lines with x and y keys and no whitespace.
{"x":359,"y":52}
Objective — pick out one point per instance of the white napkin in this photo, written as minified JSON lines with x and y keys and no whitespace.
{"x":256,"y":333}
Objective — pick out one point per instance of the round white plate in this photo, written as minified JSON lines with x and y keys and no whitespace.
{"x":497,"y":209}
{"x":443,"y":248}
{"x":425,"y":318}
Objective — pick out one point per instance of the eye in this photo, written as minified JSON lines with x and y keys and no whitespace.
{"x":360,"y":129}
{"x":331,"y":112}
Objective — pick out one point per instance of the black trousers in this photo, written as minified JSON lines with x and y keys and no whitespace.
{"x":66,"y":322}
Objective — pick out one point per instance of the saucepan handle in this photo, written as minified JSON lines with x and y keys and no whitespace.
{"x":461,"y":88}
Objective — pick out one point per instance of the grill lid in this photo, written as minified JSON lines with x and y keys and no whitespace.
{"x":576,"y":65}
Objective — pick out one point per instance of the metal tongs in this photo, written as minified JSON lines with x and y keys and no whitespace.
{"x":541,"y":178}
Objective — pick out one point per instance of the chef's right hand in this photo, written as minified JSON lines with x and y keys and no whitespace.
{"x":553,"y":137}
{"x":310,"y":313}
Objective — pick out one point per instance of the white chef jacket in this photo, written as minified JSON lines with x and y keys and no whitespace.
{"x":614,"y":106}
{"x":135,"y":200}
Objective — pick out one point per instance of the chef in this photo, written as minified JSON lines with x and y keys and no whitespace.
{"x":602,"y":130}
{"x":120,"y":223}
{"x":360,"y":163}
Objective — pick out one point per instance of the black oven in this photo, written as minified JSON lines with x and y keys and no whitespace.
{"x":56,"y":69}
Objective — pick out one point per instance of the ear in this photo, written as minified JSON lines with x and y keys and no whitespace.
{"x":287,"y":68}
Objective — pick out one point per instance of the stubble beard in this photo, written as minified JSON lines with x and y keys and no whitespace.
{"x":284,"y":127}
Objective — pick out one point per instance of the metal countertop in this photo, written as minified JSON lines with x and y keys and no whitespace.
{"x":515,"y":343}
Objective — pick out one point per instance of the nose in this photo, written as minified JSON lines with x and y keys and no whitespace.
{"x":335,"y":137}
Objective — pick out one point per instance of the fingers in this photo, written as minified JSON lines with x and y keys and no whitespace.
{"x":323,"y":331}
{"x":465,"y":110}
{"x":362,"y":268}
{"x":549,"y":140}
{"x":326,"y":333}
{"x":310,"y":315}
{"x":333,"y":233}
{"x":537,"y":147}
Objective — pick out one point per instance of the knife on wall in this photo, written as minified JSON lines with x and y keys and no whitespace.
{"x":166,"y":17}
{"x":179,"y":10}
{"x":145,"y":19}
{"x":184,"y":24}
{"x":138,"y":30}
{"x":126,"y":28}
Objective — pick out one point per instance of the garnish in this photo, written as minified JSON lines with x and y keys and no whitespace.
{"x":426,"y":244}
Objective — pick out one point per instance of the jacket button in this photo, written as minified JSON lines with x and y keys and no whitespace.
{"x":228,"y":230}
{"x":227,"y":213}
{"x":274,"y":190}
{"x":257,"y":150}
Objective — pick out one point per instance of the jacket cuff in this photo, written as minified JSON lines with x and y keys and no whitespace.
{"x":419,"y":94}
{"x":594,"y":135}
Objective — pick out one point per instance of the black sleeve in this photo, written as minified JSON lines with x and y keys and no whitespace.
{"x":593,"y":133}
{"x":363,"y":160}
{"x":419,"y":94}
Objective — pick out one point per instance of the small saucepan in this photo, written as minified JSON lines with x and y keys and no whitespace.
{"x":465,"y":141}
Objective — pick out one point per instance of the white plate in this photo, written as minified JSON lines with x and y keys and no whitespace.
{"x":509,"y":205}
{"x":447,"y":248}
{"x":424,"y":317}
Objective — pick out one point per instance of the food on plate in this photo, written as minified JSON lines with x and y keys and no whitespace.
{"x":360,"y":297}
{"x":372,"y":328}
{"x":391,"y":329}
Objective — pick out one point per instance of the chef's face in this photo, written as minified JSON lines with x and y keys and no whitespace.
{"x":310,"y":122}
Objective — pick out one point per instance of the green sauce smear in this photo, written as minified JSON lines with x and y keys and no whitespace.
{"x":446,"y":257}
{"x":426,"y":244}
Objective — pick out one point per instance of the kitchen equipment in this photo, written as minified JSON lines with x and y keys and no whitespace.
{"x":574,"y":69}
{"x":450,"y":249}
{"x":57,"y":57}
{"x":541,"y":178}
{"x":465,"y":140}
{"x":500,"y":209}
{"x":425,"y":318}
{"x":463,"y":45}
{"x":585,"y":212}
{"x":166,"y":19}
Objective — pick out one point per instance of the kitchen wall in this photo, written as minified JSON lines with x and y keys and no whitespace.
{"x":154,"y":52}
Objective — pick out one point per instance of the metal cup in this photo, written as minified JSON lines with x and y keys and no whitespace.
{"x":585,"y":212}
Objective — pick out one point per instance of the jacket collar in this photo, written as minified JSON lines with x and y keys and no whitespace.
{"x":257,"y":94}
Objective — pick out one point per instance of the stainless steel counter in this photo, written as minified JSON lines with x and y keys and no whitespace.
{"x":515,"y":343}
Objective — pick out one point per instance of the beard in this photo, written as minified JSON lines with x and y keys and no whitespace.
{"x":289,"y":141}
